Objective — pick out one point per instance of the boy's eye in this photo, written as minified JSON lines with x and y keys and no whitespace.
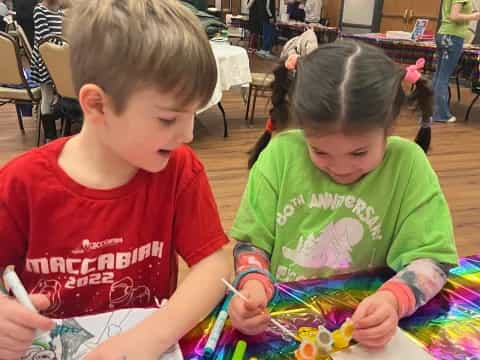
{"x":166,"y":122}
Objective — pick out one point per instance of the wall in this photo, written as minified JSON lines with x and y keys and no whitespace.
{"x":332,"y":11}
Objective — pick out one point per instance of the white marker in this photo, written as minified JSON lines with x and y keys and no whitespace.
{"x":12,"y":282}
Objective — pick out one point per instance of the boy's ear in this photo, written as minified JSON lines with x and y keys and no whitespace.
{"x":93,"y":101}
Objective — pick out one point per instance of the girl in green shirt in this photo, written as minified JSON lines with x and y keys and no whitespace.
{"x":341,"y":195}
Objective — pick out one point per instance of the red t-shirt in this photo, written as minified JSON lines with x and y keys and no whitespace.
{"x":93,"y":251}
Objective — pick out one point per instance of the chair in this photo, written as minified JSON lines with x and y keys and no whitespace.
{"x":476,"y":91}
{"x":253,"y":42}
{"x":22,"y":37}
{"x":261,"y":85}
{"x":456,"y":77}
{"x":55,"y":52}
{"x":14,"y":88}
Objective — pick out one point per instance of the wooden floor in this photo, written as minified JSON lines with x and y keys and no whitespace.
{"x":455,"y":156}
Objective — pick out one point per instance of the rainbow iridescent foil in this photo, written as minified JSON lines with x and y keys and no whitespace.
{"x":448,"y":326}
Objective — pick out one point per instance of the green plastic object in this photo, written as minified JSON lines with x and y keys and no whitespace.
{"x":240,"y":350}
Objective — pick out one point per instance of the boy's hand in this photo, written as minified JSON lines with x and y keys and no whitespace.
{"x":376,"y":319}
{"x":18,"y":325}
{"x":250,"y":318}
{"x":131,"y":344}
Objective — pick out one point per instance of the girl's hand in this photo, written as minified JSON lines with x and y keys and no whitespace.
{"x":250,"y":318}
{"x":376,"y":319}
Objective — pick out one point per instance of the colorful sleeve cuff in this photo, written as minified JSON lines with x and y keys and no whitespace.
{"x":252,"y":263}
{"x":404,"y":295}
{"x":248,"y":257}
{"x":265,"y":280}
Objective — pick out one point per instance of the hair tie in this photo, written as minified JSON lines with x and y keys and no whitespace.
{"x":413,"y":74}
{"x":269,"y":126}
{"x":291,"y":62}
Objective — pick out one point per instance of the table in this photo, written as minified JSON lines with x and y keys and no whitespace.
{"x":448,"y":326}
{"x":325,"y":34}
{"x":238,"y":21}
{"x":291,"y":28}
{"x":233,"y":70}
{"x":407,"y":52}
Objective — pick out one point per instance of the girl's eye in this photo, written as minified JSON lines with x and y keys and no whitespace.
{"x":360,"y":153}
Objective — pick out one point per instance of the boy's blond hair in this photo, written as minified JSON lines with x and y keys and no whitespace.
{"x":126,"y":45}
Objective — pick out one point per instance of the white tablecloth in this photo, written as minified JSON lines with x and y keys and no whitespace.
{"x":233,"y":69}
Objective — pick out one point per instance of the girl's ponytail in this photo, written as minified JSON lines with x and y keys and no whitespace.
{"x":279,"y":113}
{"x":422,"y":95}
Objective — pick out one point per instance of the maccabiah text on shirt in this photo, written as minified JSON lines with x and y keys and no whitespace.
{"x":95,"y":270}
{"x":329,"y":201}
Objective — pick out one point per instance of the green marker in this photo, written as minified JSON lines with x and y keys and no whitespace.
{"x":240,"y":350}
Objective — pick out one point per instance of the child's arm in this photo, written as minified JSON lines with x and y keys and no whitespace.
{"x":18,"y":324}
{"x":255,"y":283}
{"x":416,"y":284}
{"x":423,"y":247}
{"x":196,"y":296}
{"x":376,"y":318}
{"x":194,"y":299}
{"x":252,"y":263}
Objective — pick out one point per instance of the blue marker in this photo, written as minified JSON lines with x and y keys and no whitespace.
{"x":217,"y":329}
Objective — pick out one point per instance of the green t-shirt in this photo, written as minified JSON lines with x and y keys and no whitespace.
{"x":313,"y":227}
{"x":448,"y":27}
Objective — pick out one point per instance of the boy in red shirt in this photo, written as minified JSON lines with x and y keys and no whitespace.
{"x":94,"y":223}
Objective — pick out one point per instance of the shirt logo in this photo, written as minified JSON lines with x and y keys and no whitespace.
{"x":88,"y":245}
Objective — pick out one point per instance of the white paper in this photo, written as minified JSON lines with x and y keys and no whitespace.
{"x":401,"y":347}
{"x":74,"y":338}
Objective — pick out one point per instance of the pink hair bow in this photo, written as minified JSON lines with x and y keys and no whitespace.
{"x":291,"y":63}
{"x":413,"y":73}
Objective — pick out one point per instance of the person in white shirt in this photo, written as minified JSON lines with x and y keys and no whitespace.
{"x":472,"y":36}
{"x":3,"y":13}
{"x":313,"y":11}
{"x":3,"y":9}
